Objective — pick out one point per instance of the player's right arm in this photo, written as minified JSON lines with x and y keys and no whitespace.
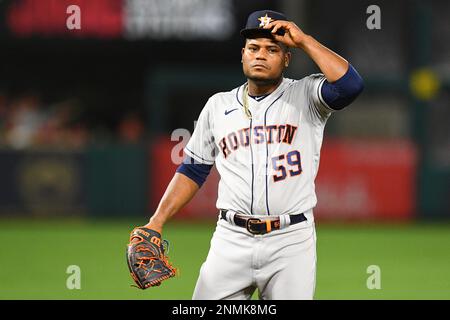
{"x":179,"y":192}
{"x":191,"y":174}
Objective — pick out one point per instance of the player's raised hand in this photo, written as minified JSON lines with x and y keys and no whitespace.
{"x":293,"y":36}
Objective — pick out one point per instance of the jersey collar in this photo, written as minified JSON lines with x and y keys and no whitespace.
{"x":268,"y":97}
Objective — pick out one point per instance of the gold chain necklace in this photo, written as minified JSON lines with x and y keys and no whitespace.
{"x":245,"y":100}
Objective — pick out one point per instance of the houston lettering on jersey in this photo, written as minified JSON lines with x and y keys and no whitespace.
{"x":283,"y":133}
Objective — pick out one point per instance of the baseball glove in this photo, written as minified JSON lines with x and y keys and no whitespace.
{"x":146,"y":259}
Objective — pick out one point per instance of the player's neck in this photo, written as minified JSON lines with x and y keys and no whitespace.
{"x":259,"y":88}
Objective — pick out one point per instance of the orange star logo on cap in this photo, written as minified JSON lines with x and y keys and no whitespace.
{"x":264,"y":20}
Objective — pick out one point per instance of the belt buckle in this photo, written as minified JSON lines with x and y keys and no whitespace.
{"x":252,"y":221}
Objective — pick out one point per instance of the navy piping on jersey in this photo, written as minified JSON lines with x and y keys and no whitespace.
{"x":319,"y":94}
{"x":251,"y":154}
{"x":259,"y":98}
{"x":237,"y":95}
{"x":267,"y":152}
{"x":251,"y":150}
{"x":199,"y":157}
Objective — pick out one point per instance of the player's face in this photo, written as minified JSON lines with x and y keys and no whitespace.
{"x":264,"y":60}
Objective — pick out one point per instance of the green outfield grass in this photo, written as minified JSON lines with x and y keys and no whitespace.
{"x":34,"y":256}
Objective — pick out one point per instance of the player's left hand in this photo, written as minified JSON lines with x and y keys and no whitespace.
{"x":293,"y":36}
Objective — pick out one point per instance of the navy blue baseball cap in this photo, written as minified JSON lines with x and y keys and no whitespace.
{"x":256,"y":22}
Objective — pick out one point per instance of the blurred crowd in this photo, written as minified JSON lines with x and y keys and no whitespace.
{"x":27,"y":122}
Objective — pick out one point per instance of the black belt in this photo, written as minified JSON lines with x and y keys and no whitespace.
{"x":258,"y":226}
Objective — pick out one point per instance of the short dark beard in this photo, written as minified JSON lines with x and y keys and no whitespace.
{"x":262,"y":82}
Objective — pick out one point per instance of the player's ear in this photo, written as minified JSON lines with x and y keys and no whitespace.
{"x":287,"y":58}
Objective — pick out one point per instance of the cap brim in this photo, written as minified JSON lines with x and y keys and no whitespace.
{"x":259,"y":33}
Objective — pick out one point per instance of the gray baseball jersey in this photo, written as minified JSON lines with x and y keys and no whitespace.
{"x":267,"y":164}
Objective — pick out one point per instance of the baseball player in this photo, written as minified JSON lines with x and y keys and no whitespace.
{"x":264,"y":138}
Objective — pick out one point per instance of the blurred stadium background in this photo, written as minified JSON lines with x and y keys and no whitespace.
{"x":89,"y":119}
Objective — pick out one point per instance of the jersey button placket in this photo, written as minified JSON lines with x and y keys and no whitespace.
{"x":258,"y":163}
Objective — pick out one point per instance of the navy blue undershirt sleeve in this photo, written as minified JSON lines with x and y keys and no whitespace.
{"x":343,"y":91}
{"x":198,"y":172}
